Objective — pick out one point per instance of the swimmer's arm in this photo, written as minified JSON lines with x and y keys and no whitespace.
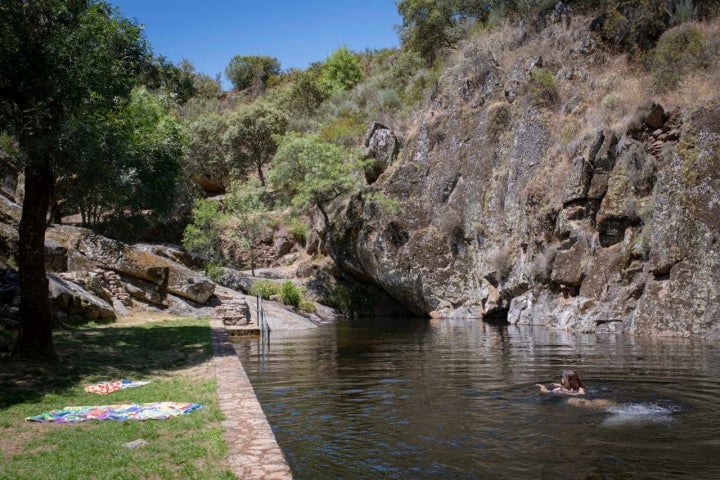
{"x":543,"y":388}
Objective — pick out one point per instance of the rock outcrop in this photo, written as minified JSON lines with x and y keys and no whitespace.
{"x":87,"y":251}
{"x":614,"y":231}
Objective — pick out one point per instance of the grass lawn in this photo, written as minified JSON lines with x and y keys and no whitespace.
{"x":173,"y":354}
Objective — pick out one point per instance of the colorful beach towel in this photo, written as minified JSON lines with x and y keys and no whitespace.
{"x":128,"y":411}
{"x":108,"y":387}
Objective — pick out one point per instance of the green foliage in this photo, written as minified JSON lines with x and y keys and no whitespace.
{"x":341,"y":70}
{"x":177,"y":81}
{"x":246,"y":206}
{"x":350,"y":299}
{"x":124,"y":161}
{"x":427,"y":26}
{"x":345,"y":130}
{"x":311,"y":173}
{"x":207,"y":153}
{"x":289,"y":294}
{"x":214,"y":270}
{"x":634,"y":25}
{"x":250,"y":137}
{"x":252,"y":71}
{"x":306,"y":92}
{"x":307,"y":306}
{"x":680,"y":51}
{"x":543,"y":87}
{"x":203,"y":234}
{"x":298,"y":230}
{"x":264,"y":289}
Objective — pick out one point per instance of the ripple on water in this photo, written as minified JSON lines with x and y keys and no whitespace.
{"x":639,"y":414}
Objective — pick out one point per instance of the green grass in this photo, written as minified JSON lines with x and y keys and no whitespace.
{"x":189,"y":446}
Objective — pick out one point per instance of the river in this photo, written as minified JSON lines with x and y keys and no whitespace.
{"x":456,"y":399}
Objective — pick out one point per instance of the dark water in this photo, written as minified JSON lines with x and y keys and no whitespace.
{"x":456,"y":399}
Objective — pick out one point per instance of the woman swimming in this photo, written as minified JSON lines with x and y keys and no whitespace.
{"x":570,"y":384}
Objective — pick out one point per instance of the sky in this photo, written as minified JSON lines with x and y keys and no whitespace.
{"x":210,"y":32}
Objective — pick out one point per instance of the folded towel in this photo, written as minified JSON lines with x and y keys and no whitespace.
{"x":108,"y":387}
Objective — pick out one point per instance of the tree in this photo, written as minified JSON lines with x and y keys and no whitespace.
{"x":250,"y":136}
{"x":428,"y":25}
{"x":203,"y":234}
{"x":121,"y":162}
{"x":56,"y":58}
{"x":313,"y":173}
{"x":252,"y":71}
{"x":248,"y":212}
{"x":179,"y":81}
{"x":206,"y":160}
{"x":341,"y":70}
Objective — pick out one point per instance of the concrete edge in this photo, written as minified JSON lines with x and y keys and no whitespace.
{"x":253,"y":451}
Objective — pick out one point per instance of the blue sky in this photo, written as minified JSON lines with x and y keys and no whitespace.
{"x":209,"y":33}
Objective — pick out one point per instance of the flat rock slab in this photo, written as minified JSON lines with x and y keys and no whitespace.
{"x":253,"y":450}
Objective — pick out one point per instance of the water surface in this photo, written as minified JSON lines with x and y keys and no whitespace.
{"x":457,"y":399}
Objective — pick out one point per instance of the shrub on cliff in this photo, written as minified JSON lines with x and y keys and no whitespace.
{"x":543,"y":88}
{"x":680,"y":51}
{"x":633,"y":25}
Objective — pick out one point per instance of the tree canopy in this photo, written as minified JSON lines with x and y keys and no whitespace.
{"x":58,"y":59}
{"x":122,"y":162}
{"x":250,"y":136}
{"x":341,"y":70}
{"x":251,"y":71}
{"x":312,"y":173}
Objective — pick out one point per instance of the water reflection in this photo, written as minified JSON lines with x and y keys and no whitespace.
{"x":456,"y":399}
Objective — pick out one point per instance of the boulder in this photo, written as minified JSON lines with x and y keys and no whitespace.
{"x":73,"y":300}
{"x":381,"y":145}
{"x":176,"y":254}
{"x":109,"y":254}
{"x":283,"y":242}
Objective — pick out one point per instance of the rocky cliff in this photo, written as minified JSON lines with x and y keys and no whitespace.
{"x":546,"y":182}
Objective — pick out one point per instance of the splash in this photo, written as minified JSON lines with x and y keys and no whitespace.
{"x":638,"y":413}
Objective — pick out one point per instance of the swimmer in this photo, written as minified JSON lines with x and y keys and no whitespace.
{"x":570,"y":384}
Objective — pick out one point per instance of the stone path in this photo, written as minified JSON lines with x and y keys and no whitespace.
{"x":253,"y":450}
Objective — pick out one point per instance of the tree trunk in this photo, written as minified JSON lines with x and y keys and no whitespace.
{"x":260,"y":173}
{"x":35,"y":338}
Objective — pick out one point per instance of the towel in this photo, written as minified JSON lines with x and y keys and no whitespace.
{"x":128,"y":411}
{"x":108,"y":387}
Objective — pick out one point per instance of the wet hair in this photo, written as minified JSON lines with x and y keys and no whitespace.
{"x":571,"y":381}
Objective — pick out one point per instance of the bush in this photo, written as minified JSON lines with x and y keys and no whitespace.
{"x":298,"y":230}
{"x":543,"y":87}
{"x":307,"y":306}
{"x":680,"y":51}
{"x":502,"y":261}
{"x":289,"y":294}
{"x":497,"y":119}
{"x":264,"y":289}
{"x":633,"y":24}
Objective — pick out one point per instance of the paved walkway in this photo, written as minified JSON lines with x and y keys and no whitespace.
{"x":253,"y":450}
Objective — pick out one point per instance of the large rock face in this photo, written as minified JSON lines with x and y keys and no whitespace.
{"x":87,"y":251}
{"x":618,"y":231}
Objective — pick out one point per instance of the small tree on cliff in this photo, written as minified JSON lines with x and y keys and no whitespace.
{"x":56,"y":58}
{"x":248,"y":213}
{"x":313,"y":173}
{"x":250,"y":137}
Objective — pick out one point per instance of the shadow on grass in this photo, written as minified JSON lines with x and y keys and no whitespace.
{"x":93,"y":354}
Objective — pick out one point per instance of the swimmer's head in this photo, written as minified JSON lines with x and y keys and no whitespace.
{"x":571,"y":381}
